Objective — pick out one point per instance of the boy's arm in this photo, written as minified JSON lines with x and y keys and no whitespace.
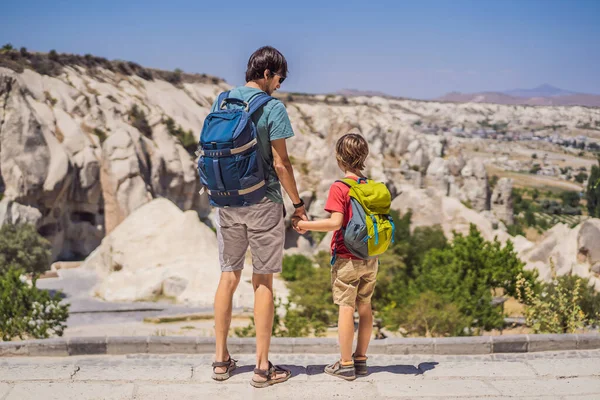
{"x":332,"y":223}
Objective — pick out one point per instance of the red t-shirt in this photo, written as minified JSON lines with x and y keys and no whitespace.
{"x":339,"y":201}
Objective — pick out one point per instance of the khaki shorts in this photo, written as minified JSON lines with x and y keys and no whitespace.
{"x":261,"y":226}
{"x":353,"y":281}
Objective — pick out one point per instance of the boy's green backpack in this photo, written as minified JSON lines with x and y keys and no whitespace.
{"x":371,"y":228}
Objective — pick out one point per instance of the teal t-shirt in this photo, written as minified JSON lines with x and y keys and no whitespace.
{"x":272,"y":122}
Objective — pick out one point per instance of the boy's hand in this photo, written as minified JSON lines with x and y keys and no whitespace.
{"x":296,"y":218}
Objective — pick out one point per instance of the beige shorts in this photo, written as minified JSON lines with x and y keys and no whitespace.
{"x":261,"y":226}
{"x":353,"y":281}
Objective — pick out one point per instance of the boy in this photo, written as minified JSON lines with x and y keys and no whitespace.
{"x":352,"y":278}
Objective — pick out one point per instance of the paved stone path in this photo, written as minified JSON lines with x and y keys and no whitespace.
{"x":560,"y":375}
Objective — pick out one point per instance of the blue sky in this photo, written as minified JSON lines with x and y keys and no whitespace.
{"x":419,"y":49}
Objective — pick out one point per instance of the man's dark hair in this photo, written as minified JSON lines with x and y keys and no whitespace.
{"x":266,"y":57}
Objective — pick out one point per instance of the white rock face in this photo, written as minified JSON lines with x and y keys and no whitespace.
{"x":571,"y":251}
{"x":431,"y":207}
{"x":14,"y":213}
{"x":476,"y":189}
{"x":438,"y":175}
{"x":52,"y":158}
{"x":501,"y":201}
{"x":159,"y":250}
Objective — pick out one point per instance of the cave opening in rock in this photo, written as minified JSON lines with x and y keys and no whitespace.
{"x":81,"y":216}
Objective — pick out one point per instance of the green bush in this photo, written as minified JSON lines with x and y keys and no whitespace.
{"x":27,"y":312}
{"x":570,"y":199}
{"x":565,"y":305}
{"x":293,"y":324}
{"x":186,"y":138}
{"x":138,"y":120}
{"x":515,"y":229}
{"x":429,"y":315}
{"x":592,"y":193}
{"x":581,"y":177}
{"x":297,"y":267}
{"x":101,"y":134}
{"x":312,"y":295}
{"x":21,"y":247}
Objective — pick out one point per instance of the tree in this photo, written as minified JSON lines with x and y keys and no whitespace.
{"x":296,"y":267}
{"x":530,"y":218}
{"x":581,"y":177}
{"x":7,"y":47}
{"x":465,"y":273}
{"x":21,"y":247}
{"x":592,"y":194}
{"x":570,"y":198}
{"x":429,"y":315}
{"x":53,"y":55}
{"x":312,"y":294}
{"x":535,"y":169}
{"x":25,"y":311}
{"x":493,"y":181}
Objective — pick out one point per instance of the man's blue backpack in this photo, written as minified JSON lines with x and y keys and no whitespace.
{"x":230,"y":164}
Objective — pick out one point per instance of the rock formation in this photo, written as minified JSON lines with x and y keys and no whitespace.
{"x":501,"y":201}
{"x":83,"y":149}
{"x":161,"y":251}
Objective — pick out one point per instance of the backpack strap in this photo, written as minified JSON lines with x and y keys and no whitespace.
{"x":351,"y":182}
{"x":222,"y":97}
{"x":258,"y":101}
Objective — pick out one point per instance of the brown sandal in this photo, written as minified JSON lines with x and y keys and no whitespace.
{"x":268,"y":373}
{"x":222,"y":376}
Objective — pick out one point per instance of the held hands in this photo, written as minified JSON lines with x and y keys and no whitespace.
{"x":299,"y":215}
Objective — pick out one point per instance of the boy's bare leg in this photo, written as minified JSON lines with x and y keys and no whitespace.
{"x":223,"y":307}
{"x":346,"y":332}
{"x":264,"y":310}
{"x":365,"y":329}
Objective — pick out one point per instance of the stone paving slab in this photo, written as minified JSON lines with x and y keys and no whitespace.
{"x":548,"y":387}
{"x":558,"y":368}
{"x":36,"y":372}
{"x":70,"y":391}
{"x":134,"y":373}
{"x":410,"y":387}
{"x":287,"y":390}
{"x":488,"y":369}
{"x":4,"y":389}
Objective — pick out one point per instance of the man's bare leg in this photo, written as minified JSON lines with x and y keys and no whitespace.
{"x":264,"y":310}
{"x":223,"y":308}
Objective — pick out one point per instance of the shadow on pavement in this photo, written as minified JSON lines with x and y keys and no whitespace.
{"x":319,"y":369}
{"x":404,"y":369}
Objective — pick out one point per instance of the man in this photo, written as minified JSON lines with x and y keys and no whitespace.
{"x":261,"y":225}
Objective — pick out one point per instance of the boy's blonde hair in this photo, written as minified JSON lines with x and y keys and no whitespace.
{"x":351,"y":151}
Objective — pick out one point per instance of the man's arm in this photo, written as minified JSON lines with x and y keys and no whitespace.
{"x":285,"y":173}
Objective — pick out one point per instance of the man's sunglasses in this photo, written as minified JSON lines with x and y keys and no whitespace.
{"x":281,"y":77}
